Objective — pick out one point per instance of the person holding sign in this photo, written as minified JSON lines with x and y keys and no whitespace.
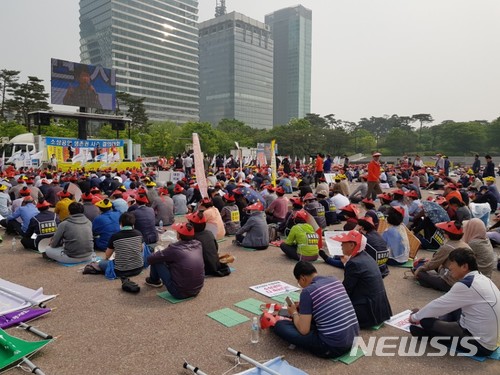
{"x":302,"y":241}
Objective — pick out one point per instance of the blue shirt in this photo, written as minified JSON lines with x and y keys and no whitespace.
{"x":120,"y":205}
{"x":105,"y":225}
{"x":25,"y":213}
{"x":327,"y":301}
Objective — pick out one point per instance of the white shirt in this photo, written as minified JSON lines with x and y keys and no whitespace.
{"x":479,"y":299}
{"x":339,"y":201}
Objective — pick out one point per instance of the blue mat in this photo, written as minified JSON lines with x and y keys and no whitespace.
{"x":495,"y":355}
{"x":76,"y":264}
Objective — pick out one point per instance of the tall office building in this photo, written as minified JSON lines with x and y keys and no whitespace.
{"x":153,"y":45}
{"x":291,"y":30}
{"x":236,"y":70}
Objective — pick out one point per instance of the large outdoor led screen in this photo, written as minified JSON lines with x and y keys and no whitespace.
{"x":82,"y":85}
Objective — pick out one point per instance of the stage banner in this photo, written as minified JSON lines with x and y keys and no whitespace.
{"x":198,"y":164}
{"x":83,"y":150}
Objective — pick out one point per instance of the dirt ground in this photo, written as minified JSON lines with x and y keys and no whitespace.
{"x":103,"y":330}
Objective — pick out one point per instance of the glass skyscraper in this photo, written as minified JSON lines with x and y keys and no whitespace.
{"x":236,"y":70}
{"x":291,"y":30}
{"x":153,"y":45}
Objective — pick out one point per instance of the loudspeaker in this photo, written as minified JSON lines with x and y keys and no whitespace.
{"x":117,"y":125}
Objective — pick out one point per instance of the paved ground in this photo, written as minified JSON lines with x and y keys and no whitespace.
{"x":103,"y":330}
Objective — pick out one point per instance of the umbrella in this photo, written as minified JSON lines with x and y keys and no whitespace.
{"x":251,"y":195}
{"x":435,"y":212}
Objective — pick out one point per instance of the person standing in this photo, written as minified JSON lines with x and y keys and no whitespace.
{"x":318,"y":168}
{"x":489,"y":169}
{"x":373,"y":177}
{"x":476,"y":166}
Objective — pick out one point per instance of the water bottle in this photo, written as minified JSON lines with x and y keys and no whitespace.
{"x":254,"y":338}
{"x":94,"y":257}
{"x":160,"y":224}
{"x":14,"y":244}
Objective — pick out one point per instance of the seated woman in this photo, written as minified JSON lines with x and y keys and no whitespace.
{"x":363,"y":281}
{"x":462,"y":212}
{"x":475,"y":237}
{"x":302,"y":241}
{"x":396,"y":237}
{"x":369,"y":205}
{"x":385,"y":203}
{"x":230,"y":215}
{"x":287,"y":225}
{"x":213,"y":266}
{"x":254,"y":234}
{"x":399,"y":199}
{"x":434,"y":273}
{"x":126,"y":245}
{"x":214,"y":220}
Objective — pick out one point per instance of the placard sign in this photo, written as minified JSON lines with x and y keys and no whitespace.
{"x":274,"y":288}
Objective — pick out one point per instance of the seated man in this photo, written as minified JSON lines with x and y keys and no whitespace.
{"x":326,"y":325}
{"x":72,"y":242}
{"x":302,"y":241}
{"x":105,"y":225}
{"x":179,"y":266}
{"x":278,"y":209}
{"x":41,"y":226}
{"x":254,"y":234}
{"x":469,"y":310}
{"x":363,"y":281}
{"x":26,"y":212}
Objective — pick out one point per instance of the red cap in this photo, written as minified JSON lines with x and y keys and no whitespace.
{"x":301,"y":214}
{"x":238,"y":191}
{"x":400,"y":209}
{"x":368,"y":201}
{"x":178,"y":188}
{"x":398,"y":192}
{"x":25,"y":192}
{"x":184,"y":229}
{"x":141,"y":198}
{"x":206,"y":200}
{"x":297,"y":201}
{"x":229,"y":197}
{"x":117,"y":192}
{"x":376,"y":154}
{"x":385,"y":196}
{"x":257,"y":206}
{"x":352,"y":236}
{"x":64,"y":194}
{"x":87,"y":197}
{"x":450,"y":227}
{"x":412,"y":194}
{"x":95,"y":189}
{"x":367,"y":219}
{"x":141,"y":190}
{"x":270,"y":187}
{"x":280,"y":190}
{"x":351,"y":208}
{"x":451,"y":186}
{"x":196,"y":217}
{"x":308,"y":196}
{"x":42,"y":204}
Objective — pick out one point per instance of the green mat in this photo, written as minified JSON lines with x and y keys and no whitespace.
{"x":408,"y":264}
{"x":376,"y":328}
{"x":13,"y":349}
{"x":295,"y":296}
{"x":228,"y":317}
{"x":248,"y":249}
{"x":221,"y":240}
{"x":348,"y":359}
{"x":251,"y":304}
{"x":170,"y":298}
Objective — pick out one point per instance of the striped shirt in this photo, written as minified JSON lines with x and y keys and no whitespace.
{"x":332,"y":311}
{"x":127,"y":245}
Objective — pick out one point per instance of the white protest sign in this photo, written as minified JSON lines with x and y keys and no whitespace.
{"x":334,"y":247}
{"x":274,"y":288}
{"x":401,"y":321}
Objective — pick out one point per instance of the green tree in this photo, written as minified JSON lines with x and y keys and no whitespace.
{"x":423,"y":118}
{"x":11,"y":129}
{"x":135,"y":109}
{"x":8,"y":78}
{"x":27,"y":97}
{"x":63,"y":128}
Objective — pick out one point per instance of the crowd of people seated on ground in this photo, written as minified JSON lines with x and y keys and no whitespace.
{"x":119,"y":216}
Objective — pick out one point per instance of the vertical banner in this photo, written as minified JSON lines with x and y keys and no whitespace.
{"x":198,"y":164}
{"x":273,"y":163}
{"x":261,"y":155}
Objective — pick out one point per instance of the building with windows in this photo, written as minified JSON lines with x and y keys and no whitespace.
{"x":153,"y":45}
{"x":236,"y":70}
{"x":291,"y":30}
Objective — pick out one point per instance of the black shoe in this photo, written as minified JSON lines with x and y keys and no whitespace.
{"x":153,"y":283}
{"x":323,"y":255}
